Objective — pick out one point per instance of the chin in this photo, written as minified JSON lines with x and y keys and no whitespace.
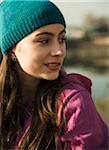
{"x":51,"y":76}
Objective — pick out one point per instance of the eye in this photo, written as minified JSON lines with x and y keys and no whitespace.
{"x":62,"y":39}
{"x":44,"y":41}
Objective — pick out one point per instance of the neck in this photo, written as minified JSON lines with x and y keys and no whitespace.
{"x":29,"y":84}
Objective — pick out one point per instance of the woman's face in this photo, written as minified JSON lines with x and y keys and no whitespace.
{"x":41,"y":53}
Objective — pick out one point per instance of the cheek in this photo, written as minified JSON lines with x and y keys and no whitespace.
{"x":23,"y":58}
{"x":30,"y":61}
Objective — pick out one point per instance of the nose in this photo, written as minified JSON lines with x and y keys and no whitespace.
{"x":58,"y":49}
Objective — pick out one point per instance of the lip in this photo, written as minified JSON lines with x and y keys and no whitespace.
{"x":53,"y":66}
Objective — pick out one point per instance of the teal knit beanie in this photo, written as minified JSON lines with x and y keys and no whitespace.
{"x":19,"y":18}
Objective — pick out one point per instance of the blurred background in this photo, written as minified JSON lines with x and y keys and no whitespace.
{"x":88,"y":45}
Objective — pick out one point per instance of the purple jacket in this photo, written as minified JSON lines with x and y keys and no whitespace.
{"x":80,"y":125}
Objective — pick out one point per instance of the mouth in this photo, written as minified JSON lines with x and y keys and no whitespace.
{"x":54,"y":66}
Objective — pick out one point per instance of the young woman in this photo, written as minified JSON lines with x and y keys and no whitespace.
{"x":41,"y":106}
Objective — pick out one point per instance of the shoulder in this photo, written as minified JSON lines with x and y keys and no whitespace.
{"x":77,"y":113}
{"x":75,"y":92}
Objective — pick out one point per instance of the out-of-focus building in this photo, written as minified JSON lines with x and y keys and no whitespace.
{"x":89,"y":45}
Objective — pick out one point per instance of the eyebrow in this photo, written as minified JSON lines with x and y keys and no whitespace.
{"x":49,"y":33}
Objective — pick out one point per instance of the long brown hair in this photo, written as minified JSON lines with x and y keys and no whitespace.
{"x":1,"y":56}
{"x":41,"y":134}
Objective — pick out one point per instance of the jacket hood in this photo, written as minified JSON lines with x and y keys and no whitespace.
{"x":77,"y":80}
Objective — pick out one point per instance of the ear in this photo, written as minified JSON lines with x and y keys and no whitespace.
{"x":13,"y":56}
{"x":13,"y":48}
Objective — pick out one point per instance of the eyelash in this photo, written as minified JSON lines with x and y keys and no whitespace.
{"x":43,"y":41}
{"x":46,"y":41}
{"x":62,"y":40}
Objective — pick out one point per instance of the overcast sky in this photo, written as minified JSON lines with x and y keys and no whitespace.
{"x":75,"y":10}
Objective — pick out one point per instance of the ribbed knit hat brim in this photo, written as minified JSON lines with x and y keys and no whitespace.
{"x":20,"y":18}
